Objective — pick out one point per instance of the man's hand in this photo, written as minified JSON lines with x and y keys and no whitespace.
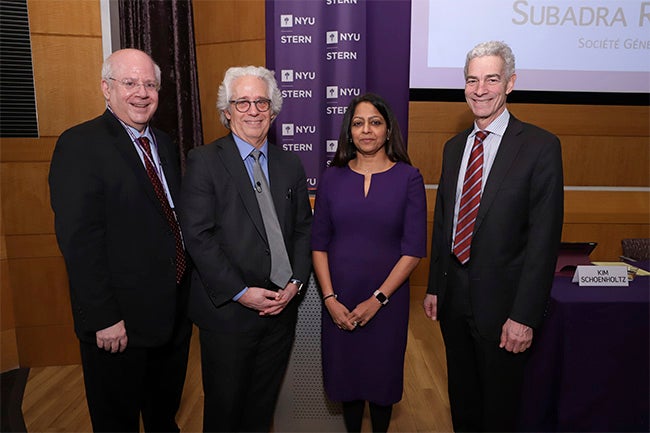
{"x":283,"y":296}
{"x":262,"y":300}
{"x":112,"y":339}
{"x":515,"y":337}
{"x":430,"y":305}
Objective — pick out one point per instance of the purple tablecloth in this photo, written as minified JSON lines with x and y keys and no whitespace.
{"x":590,"y":360}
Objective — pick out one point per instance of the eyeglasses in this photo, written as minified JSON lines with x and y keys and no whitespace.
{"x":243,"y":105}
{"x":132,"y":86}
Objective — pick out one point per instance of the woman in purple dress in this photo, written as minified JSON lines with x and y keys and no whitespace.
{"x":369,"y":233}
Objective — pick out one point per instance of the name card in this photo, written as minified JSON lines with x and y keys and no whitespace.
{"x":601,"y":276}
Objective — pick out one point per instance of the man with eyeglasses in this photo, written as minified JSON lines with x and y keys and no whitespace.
{"x":243,"y":299}
{"x":114,"y":182}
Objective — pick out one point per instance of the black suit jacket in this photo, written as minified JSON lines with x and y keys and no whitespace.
{"x":517,"y":230}
{"x":225,"y":235}
{"x":117,"y":245}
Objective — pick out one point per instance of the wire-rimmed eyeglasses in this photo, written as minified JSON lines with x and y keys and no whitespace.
{"x":243,"y":105}
{"x":132,"y":86}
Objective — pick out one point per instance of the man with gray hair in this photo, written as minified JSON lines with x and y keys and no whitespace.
{"x":246,"y":219}
{"x":496,"y":232}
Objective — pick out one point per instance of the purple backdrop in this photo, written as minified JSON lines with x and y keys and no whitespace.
{"x":324,"y":53}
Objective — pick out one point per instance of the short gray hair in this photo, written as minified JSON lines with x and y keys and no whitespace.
{"x":235,"y":72}
{"x":493,"y":48}
{"x":108,"y":71}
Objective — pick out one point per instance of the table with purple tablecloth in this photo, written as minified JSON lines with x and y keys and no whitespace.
{"x":590,"y":360}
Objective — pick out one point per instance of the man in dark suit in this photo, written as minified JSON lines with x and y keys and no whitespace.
{"x":113,"y":195}
{"x":245,"y":308}
{"x":496,"y":231}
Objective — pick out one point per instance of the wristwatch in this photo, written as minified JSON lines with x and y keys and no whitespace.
{"x":383,"y":299}
{"x":298,"y":283}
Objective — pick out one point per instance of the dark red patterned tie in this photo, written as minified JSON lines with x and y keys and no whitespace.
{"x":470,"y":200}
{"x":169,"y":213}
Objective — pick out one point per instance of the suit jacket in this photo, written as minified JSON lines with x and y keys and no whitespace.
{"x":225,"y":235}
{"x":117,"y":245}
{"x":517,"y":231}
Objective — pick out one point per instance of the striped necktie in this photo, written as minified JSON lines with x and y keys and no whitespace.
{"x":470,"y":200}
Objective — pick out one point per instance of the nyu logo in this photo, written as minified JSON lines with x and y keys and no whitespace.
{"x":288,"y":21}
{"x":289,"y":75}
{"x":333,"y":92}
{"x":333,"y":37}
{"x":289,"y":129}
{"x":331,"y":146}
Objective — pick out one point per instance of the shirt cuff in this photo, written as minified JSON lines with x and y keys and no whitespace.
{"x":240,"y":294}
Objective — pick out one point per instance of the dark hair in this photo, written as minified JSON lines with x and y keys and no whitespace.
{"x":395,"y":149}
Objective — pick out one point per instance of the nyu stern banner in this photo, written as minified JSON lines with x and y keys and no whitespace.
{"x":325,"y":53}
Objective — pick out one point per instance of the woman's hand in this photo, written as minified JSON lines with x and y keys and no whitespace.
{"x":340,"y":314}
{"x":365,"y":311}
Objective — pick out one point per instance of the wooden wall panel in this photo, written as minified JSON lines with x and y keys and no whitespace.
{"x":619,"y":157}
{"x":40,"y":346}
{"x":608,"y":237}
{"x":588,"y":160}
{"x":8,"y":350}
{"x":34,"y":245}
{"x":67,"y":77}
{"x":65,"y":17}
{"x":213,"y":60}
{"x":228,"y":21}
{"x":67,"y":56}
{"x":26,"y":203}
{"x":27,"y":149}
{"x":607,"y":207}
{"x":43,"y":283}
{"x":606,"y":161}
{"x":8,"y":343}
{"x":585,"y":120}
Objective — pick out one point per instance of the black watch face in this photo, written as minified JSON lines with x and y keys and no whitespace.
{"x":381,"y":297}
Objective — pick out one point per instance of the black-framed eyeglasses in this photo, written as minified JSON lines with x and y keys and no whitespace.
{"x":132,"y":86}
{"x":243,"y":105}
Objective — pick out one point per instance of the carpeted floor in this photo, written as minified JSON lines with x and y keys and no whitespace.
{"x":12,"y":387}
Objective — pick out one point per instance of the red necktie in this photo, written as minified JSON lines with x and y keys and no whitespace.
{"x":470,"y":200}
{"x":169,"y":213}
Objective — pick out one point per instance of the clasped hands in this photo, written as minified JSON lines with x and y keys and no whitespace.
{"x":349,"y":320}
{"x":267,"y":302}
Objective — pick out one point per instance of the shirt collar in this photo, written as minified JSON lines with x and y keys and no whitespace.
{"x":245,"y":148}
{"x":498,"y":125}
{"x":133,"y":133}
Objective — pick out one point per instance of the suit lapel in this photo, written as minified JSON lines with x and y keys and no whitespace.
{"x":232,"y":162}
{"x":455,"y":157}
{"x":506,"y":155}
{"x":126,"y":148}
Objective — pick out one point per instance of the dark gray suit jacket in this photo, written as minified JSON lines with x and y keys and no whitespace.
{"x":224,"y":232}
{"x":517,"y":231}
{"x":117,"y":245}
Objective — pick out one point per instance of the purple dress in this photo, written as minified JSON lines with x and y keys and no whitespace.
{"x":364,"y":237}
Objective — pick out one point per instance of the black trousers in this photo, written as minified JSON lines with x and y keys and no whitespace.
{"x":148,"y":381}
{"x":242,"y":375}
{"x":484,"y":380}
